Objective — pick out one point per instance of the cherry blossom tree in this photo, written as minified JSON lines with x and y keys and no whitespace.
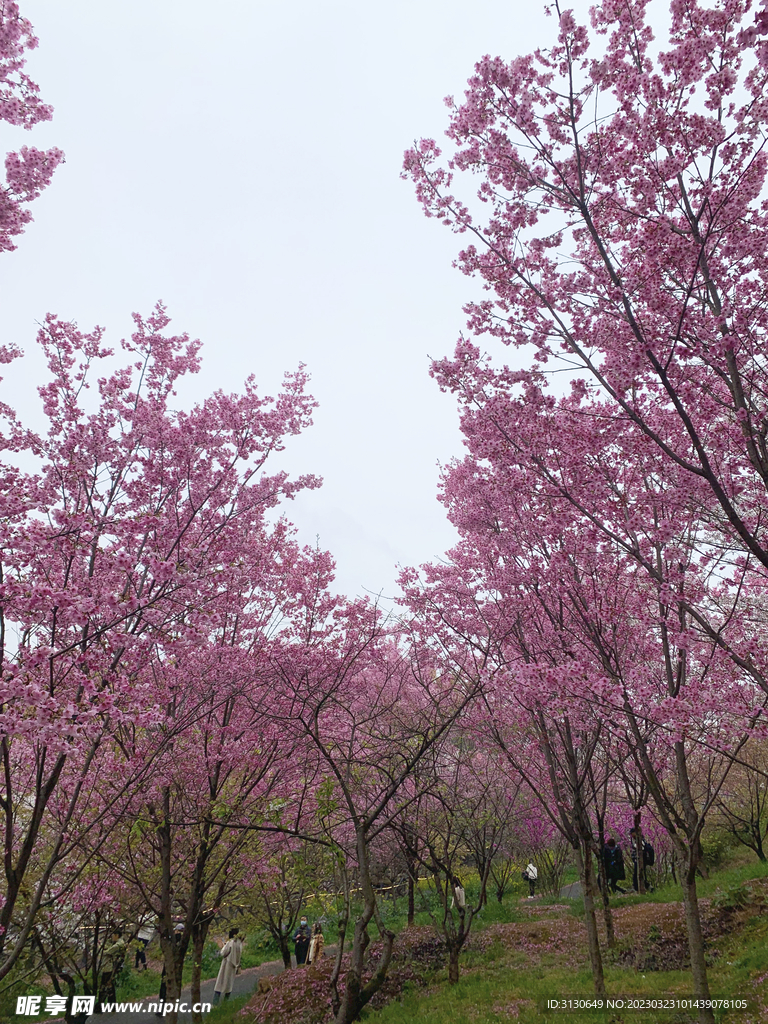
{"x":648,"y":276}
{"x":648,"y":280}
{"x":115,"y":557}
{"x":283,"y":873}
{"x":71,"y":934}
{"x":569,"y":575}
{"x":460,"y":809}
{"x":366,"y":709}
{"x":527,"y":668}
{"x":177,"y":843}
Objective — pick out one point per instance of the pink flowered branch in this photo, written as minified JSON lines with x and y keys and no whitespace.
{"x":28,"y":171}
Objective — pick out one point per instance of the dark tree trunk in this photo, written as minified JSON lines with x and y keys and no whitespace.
{"x":639,"y":844}
{"x":356,"y":994}
{"x":587,"y":876}
{"x":610,"y":932}
{"x":199,"y":935}
{"x":173,"y":950}
{"x":285,"y":951}
{"x":695,"y":937}
{"x":603,"y":886}
{"x":453,"y":963}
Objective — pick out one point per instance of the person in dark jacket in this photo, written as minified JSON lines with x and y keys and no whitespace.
{"x":613,"y":859}
{"x":301,"y":942}
{"x":641,"y":862}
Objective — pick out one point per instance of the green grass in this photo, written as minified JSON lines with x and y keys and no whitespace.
{"x":488,"y":997}
{"x":498,"y":985}
{"x":227,"y":1011}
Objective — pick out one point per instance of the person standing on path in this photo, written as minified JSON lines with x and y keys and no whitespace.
{"x":114,"y":955}
{"x":144,"y":936}
{"x":316,"y":943}
{"x":531,"y":873}
{"x":613,"y":859}
{"x":231,"y":954}
{"x":301,"y":942}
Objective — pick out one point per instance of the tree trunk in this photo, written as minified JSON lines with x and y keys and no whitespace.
{"x":610,"y":933}
{"x":58,"y":975}
{"x":605,"y":897}
{"x":453,"y":963}
{"x":695,"y":938}
{"x":639,"y":844}
{"x":285,"y":950}
{"x":173,"y":961}
{"x":341,"y":939}
{"x":199,"y":935}
{"x":356,"y":994}
{"x":586,"y":874}
{"x":173,"y":950}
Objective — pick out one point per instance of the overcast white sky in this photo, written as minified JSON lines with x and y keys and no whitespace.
{"x":239,"y":160}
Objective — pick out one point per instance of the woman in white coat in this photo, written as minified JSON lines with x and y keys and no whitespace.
{"x":230,"y":954}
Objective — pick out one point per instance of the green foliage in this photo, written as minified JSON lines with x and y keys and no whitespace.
{"x":716,"y":844}
{"x":730,"y":875}
{"x":735,"y":897}
{"x":16,"y":983}
{"x":210,"y":960}
{"x":493,"y":997}
{"x":326,"y":798}
{"x":128,"y":981}
{"x":259,"y":948}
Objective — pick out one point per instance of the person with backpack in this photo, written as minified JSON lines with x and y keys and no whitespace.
{"x":530,"y":875}
{"x":613,"y":859}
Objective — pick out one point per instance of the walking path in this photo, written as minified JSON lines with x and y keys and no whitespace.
{"x":244,"y":983}
{"x":572,"y":891}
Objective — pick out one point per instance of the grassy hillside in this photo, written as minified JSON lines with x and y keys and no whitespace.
{"x":532,"y":951}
